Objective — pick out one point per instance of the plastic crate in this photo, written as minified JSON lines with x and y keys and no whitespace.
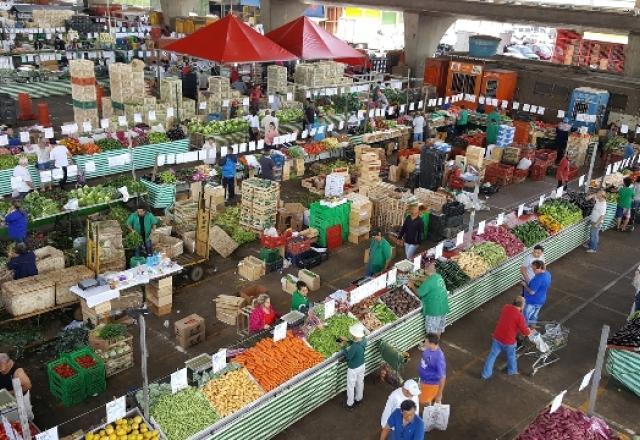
{"x":92,"y":374}
{"x":274,"y":242}
{"x":297,"y":246}
{"x":274,"y":266}
{"x":96,"y":387}
{"x":70,"y":390}
{"x":269,"y":255}
{"x":334,"y":237}
{"x":310,"y":259}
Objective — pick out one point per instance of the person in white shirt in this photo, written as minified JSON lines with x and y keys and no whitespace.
{"x":209,"y":147}
{"x":524,"y":164}
{"x":418,"y":128}
{"x":408,"y":391}
{"x":268,"y":119}
{"x":527,"y":269}
{"x":22,"y":183}
{"x":60,"y":156}
{"x":597,"y":219}
{"x":254,"y":125}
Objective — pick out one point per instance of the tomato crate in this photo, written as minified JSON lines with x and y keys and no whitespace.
{"x":89,"y":374}
{"x":499,"y":170}
{"x":546,"y":155}
{"x":538,"y":171}
{"x":71,"y":389}
{"x":520,"y":176}
{"x":297,"y":246}
{"x":95,"y":386}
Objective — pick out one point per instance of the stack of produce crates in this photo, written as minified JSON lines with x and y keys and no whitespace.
{"x":499,"y":174}
{"x":117,"y":353}
{"x":126,"y":82}
{"x":359,"y":218}
{"x":276,"y":79}
{"x":324,"y":216}
{"x":94,"y":375}
{"x":70,"y":389}
{"x":259,"y":206}
{"x":83,"y":92}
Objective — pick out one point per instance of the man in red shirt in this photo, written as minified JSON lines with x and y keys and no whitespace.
{"x":562,"y":173}
{"x":510,"y":323}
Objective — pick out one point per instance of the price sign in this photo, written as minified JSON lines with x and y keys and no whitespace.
{"x":585,"y":380}
{"x":439,"y":249}
{"x":412,"y":106}
{"x":402,"y":108}
{"x":372,"y":113}
{"x":559,"y":192}
{"x":459,"y":238}
{"x":104,"y":123}
{"x":245,"y":102}
{"x":4,"y":140}
{"x":289,"y":96}
{"x":581,"y":181}
{"x":24,"y":136}
{"x":270,"y":99}
{"x":358,"y":294}
{"x":541,"y":200}
{"x":520,"y":210}
{"x":116,"y":409}
{"x":252,"y":146}
{"x":219,"y":360}
{"x":202,"y":105}
{"x":260,"y":144}
{"x":86,"y":127}
{"x":340,"y":125}
{"x":557,"y":401}
{"x":392,"y":276}
{"x":534,"y":109}
{"x":481,"y":227}
{"x":500,"y":219}
{"x":137,"y":118}
{"x":516,"y":105}
{"x":420,"y":104}
{"x":243,"y":147}
{"x":560,"y":114}
{"x":526,"y":107}
{"x":152,"y":115}
{"x":417,"y":263}
{"x":179,"y":380}
{"x":48,"y":133}
{"x":49,"y":434}
{"x":624,"y":129}
{"x":609,"y":169}
{"x":280,"y":331}
{"x":305,"y":134}
{"x":505,"y":104}
{"x":122,"y":121}
{"x":541,"y":110}
{"x":329,"y":309}
{"x":89,"y":166}
{"x":223,"y":151}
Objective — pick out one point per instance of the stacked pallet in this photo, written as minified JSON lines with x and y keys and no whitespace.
{"x":251,"y":268}
{"x":389,"y":206}
{"x":369,"y":169}
{"x":97,"y":314}
{"x":126,"y":82}
{"x":184,"y":216}
{"x":259,"y":205}
{"x":228,"y":307}
{"x":29,"y":295}
{"x":116,"y":353}
{"x":359,"y":218}
{"x":108,"y":236}
{"x":433,"y":201}
{"x":159,"y":295}
{"x":276,"y":79}
{"x":83,"y":92}
{"x":324,"y":73}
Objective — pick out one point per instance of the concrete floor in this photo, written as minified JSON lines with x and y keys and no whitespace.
{"x":587,"y":292}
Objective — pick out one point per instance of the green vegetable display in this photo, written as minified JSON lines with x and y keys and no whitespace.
{"x":616,"y":143}
{"x":132,"y":240}
{"x":39,"y":206}
{"x":8,"y":161}
{"x":156,"y":390}
{"x":109,"y":144}
{"x":218,"y":127}
{"x":492,"y":253}
{"x":112,"y":331}
{"x":183,"y":414}
{"x":295,"y":152}
{"x":383,"y":313}
{"x":92,"y":195}
{"x":229,"y":221}
{"x":289,"y":115}
{"x":157,"y":138}
{"x":167,"y":177}
{"x":324,"y":340}
{"x":530,"y":233}
{"x":453,"y":276}
{"x":562,"y":211}
{"x":133,"y":186}
{"x":346,"y":101}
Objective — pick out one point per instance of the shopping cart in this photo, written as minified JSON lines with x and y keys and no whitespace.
{"x":554,"y":337}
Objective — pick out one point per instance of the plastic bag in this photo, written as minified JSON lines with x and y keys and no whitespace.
{"x":539,"y":342}
{"x":436,"y":417}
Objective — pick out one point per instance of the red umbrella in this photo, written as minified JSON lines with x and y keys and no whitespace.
{"x":308,"y":41}
{"x":229,"y":40}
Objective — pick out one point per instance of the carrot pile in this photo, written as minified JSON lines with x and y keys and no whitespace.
{"x":273,"y":363}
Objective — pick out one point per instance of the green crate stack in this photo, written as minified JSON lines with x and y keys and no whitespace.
{"x":269,"y":255}
{"x":323,"y":217}
{"x":94,"y":378}
{"x":70,"y":390}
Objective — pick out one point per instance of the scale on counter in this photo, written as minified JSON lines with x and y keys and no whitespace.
{"x":293,"y":318}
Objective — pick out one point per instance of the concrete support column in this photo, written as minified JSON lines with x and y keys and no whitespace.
{"x":182,"y":8}
{"x":422,"y":34}
{"x":632,"y":56}
{"x":275,"y":13}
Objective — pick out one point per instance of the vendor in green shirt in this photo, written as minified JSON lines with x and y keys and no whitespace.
{"x":493,"y":122}
{"x":299,"y":298}
{"x":354,"y":355}
{"x":143,"y":222}
{"x":435,"y":300}
{"x":626,"y":194}
{"x":379,"y":254}
{"x":462,"y":121}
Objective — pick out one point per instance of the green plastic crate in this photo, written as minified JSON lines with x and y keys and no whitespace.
{"x":269,"y":255}
{"x":89,"y":375}
{"x":98,"y":386}
{"x":70,"y":390}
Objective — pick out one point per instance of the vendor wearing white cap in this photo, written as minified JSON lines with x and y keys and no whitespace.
{"x":354,"y":355}
{"x":409,"y":391}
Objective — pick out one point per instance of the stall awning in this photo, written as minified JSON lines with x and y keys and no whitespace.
{"x":229,"y":40}
{"x":309,"y":41}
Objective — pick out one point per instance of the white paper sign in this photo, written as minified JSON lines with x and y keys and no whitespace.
{"x":137,"y":118}
{"x":500,"y":219}
{"x":280,"y":331}
{"x":260,"y":144}
{"x":289,"y":96}
{"x":122,"y":121}
{"x":557,"y":401}
{"x":402,"y":108}
{"x":459,"y":238}
{"x":219,"y":360}
{"x":4,"y":140}
{"x":534,"y":109}
{"x":24,"y":136}
{"x":581,"y":181}
{"x":86,"y":127}
{"x":243,"y":147}
{"x":526,"y":107}
{"x":559,"y":192}
{"x":541,"y":200}
{"x":624,"y":129}
{"x":49,"y":434}
{"x":439,"y":249}
{"x":481,"y":100}
{"x":152,"y":115}
{"x":116,"y":409}
{"x":560,"y":114}
{"x":340,"y":126}
{"x":45,"y":176}
{"x":252,"y":146}
{"x":392,"y":276}
{"x":585,"y":380}
{"x":417,"y":263}
{"x":541,"y":110}
{"x":411,"y":106}
{"x":329,"y":308}
{"x":223,"y":151}
{"x":179,"y":380}
{"x":170,"y":112}
{"x":481,"y":227}
{"x":516,"y":105}
{"x":520,"y":210}
{"x":104,"y":123}
{"x":48,"y":133}
{"x":56,"y":173}
{"x":505,"y":104}
{"x":245,"y":102}
{"x":202,"y":105}
{"x":372,"y":113}
{"x":609,"y":169}
{"x":420,"y":104}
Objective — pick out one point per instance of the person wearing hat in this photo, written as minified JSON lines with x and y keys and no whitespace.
{"x":354,"y":355}
{"x":379,"y":254}
{"x":432,"y":371}
{"x":410,"y":390}
{"x":435,"y":299}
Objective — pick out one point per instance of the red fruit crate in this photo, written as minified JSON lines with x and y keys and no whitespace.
{"x":499,"y":170}
{"x":546,"y":155}
{"x":538,"y":171}
{"x":274,"y":242}
{"x":520,"y":176}
{"x":297,"y":246}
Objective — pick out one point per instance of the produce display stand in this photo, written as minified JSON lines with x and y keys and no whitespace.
{"x":161,"y":195}
{"x":294,"y":399}
{"x":624,"y":366}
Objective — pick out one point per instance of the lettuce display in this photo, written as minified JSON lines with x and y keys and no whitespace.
{"x":157,"y":138}
{"x":92,"y":195}
{"x":289,"y":115}
{"x":530,"y":233}
{"x":8,"y":161}
{"x":229,"y":221}
{"x":218,"y":127}
{"x":492,"y":253}
{"x":562,"y":211}
{"x":325,"y":340}
{"x":38,"y":206}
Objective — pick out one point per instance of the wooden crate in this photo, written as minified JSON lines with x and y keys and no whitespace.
{"x":357,"y":238}
{"x":221,"y":242}
{"x":28,"y":295}
{"x":67,"y":278}
{"x":119,"y":364}
{"x":49,"y":259}
{"x":171,"y":246}
{"x":159,"y":310}
{"x":228,"y":307}
{"x":100,"y":344}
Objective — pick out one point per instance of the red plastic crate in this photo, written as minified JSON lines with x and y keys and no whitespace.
{"x":297,"y":246}
{"x":274,"y":242}
{"x":547,"y":155}
{"x":499,"y":170}
{"x":334,"y":237}
{"x":538,"y":171}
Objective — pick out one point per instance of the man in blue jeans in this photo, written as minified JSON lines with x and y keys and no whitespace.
{"x":510,"y":323}
{"x":535,"y":292}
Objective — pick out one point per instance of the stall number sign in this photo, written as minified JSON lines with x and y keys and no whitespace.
{"x":280,"y":331}
{"x":459,"y":238}
{"x":439,"y":249}
{"x":178,"y":380}
{"x":392,"y":276}
{"x":219,"y":360}
{"x":329,"y":309}
{"x":500,"y":219}
{"x":481,"y":227}
{"x":520,"y":210}
{"x":581,"y":181}
{"x":49,"y":434}
{"x":417,"y":263}
{"x":116,"y":409}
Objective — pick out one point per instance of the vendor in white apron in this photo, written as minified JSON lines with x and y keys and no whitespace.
{"x":8,"y":371}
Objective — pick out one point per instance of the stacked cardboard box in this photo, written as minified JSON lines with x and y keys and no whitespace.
{"x":168,"y":245}
{"x":369,"y":169}
{"x":171,"y":91}
{"x":127,"y":84}
{"x":159,"y":295}
{"x":276,"y":79}
{"x":259,"y":205}
{"x":324,"y":73}
{"x":189,"y":331}
{"x":228,"y":307}
{"x":359,"y":217}
{"x":577,"y":148}
{"x":219,"y":91}
{"x":83,"y":92}
{"x":311,"y":279}
{"x":475,"y":156}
